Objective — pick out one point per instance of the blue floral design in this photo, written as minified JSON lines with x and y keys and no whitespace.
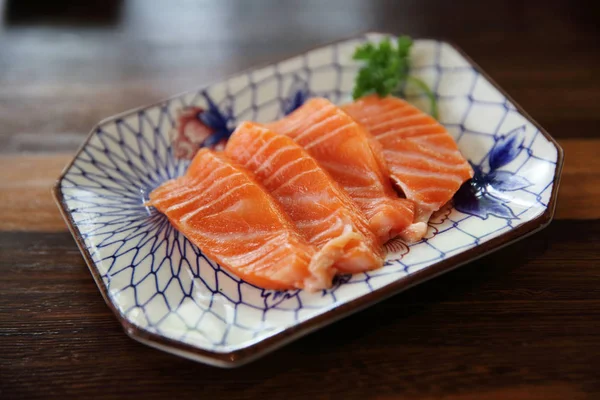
{"x":476,"y":197}
{"x":297,"y":96}
{"x":221,"y":122}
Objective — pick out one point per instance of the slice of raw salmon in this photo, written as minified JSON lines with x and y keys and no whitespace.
{"x":321,"y":210}
{"x":343,"y":148}
{"x":220,"y":207}
{"x":423,"y":159}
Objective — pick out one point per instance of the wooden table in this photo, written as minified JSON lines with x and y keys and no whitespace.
{"x":523,"y":323}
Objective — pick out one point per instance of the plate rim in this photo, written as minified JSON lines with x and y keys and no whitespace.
{"x":256,"y":350}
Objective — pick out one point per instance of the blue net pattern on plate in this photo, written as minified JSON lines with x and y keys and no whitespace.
{"x":160,"y":282}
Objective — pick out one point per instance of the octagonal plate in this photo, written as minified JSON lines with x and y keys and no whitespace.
{"x":169,"y":295}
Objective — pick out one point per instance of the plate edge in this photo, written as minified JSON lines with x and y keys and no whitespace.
{"x":245,"y":355}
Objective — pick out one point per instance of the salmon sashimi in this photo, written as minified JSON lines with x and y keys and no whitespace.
{"x":344,"y":149}
{"x":423,"y":158}
{"x":321,"y":210}
{"x":220,"y":207}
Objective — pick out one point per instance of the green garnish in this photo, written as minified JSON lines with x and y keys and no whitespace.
{"x":386,"y":69}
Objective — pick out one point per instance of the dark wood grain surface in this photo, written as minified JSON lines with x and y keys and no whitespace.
{"x":523,"y":323}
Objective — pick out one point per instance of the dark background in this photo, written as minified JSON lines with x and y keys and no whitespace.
{"x":521,"y":324}
{"x":64,"y":65}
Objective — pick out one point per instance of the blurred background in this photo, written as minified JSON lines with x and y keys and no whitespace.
{"x":64,"y":65}
{"x":521,"y":324}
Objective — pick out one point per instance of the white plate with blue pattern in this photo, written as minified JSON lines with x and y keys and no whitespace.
{"x":167,"y":294}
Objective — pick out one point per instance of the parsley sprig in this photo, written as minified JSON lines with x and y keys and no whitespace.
{"x":386,"y":69}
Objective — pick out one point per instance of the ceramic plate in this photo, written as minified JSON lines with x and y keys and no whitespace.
{"x":169,"y":295}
